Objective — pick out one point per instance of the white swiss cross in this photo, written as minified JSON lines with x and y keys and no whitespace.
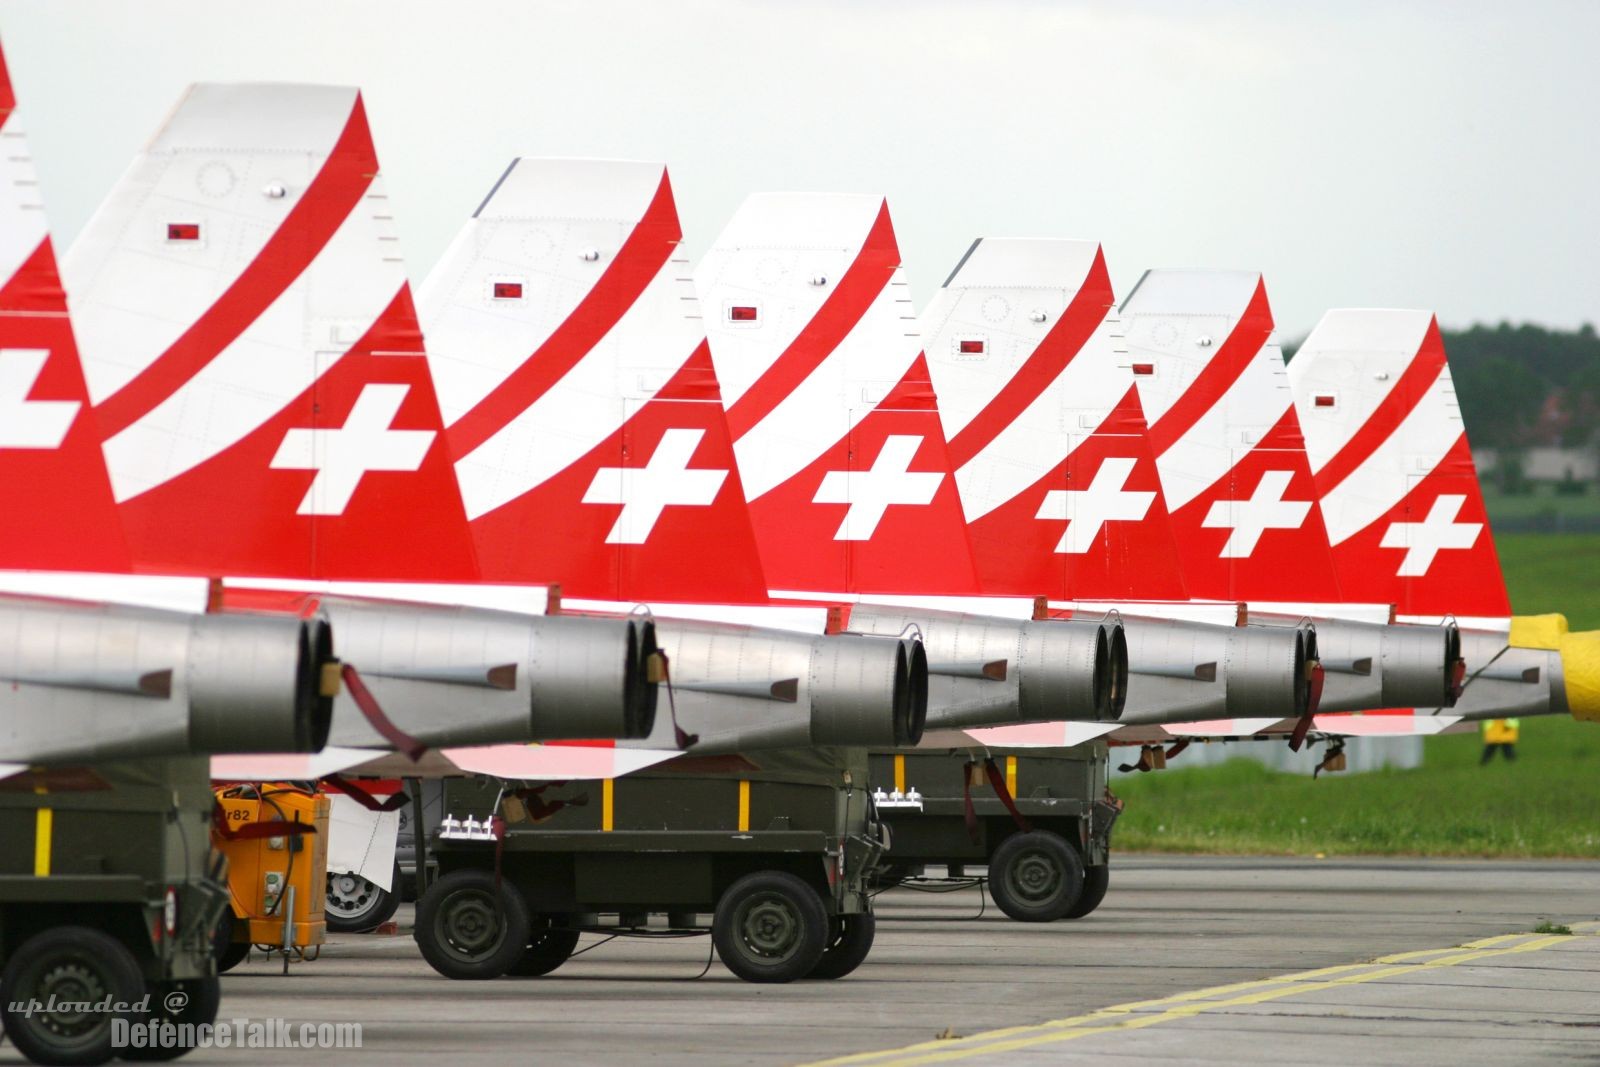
{"x":343,"y":456}
{"x":645,"y":492}
{"x":871,"y":492}
{"x":28,"y":423}
{"x":1086,"y":510}
{"x":1424,"y":540}
{"x":1265,"y":510}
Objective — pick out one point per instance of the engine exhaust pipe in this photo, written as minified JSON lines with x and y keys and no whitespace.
{"x":94,"y":682}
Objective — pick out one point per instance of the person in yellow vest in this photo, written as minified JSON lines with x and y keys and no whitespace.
{"x":1499,"y":735}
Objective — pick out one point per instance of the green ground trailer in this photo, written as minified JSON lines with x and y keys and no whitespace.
{"x":109,"y":892}
{"x":769,"y":852}
{"x":1048,"y":859}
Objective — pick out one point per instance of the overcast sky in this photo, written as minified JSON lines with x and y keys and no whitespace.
{"x":1441,"y":155}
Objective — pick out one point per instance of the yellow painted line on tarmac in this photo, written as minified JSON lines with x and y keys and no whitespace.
{"x":1140,"y":1014}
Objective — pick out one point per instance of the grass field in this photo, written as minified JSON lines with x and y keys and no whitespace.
{"x":1546,"y":804}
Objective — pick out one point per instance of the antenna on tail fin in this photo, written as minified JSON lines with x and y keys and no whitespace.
{"x":829,"y":400}
{"x":585,"y":419}
{"x":1049,"y":442}
{"x":50,"y":465}
{"x":1393,"y":467}
{"x":252,"y":352}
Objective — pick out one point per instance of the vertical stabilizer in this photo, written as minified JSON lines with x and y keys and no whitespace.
{"x":1048,"y":439}
{"x":584,"y":415}
{"x":252,"y":354}
{"x":1393,"y":468}
{"x":829,"y":400}
{"x":1227,"y":440}
{"x":50,"y":465}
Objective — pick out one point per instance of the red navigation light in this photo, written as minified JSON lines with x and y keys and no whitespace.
{"x":183,"y":231}
{"x":1144,"y":370}
{"x":970,"y":348}
{"x":508,"y":290}
{"x":742,"y":313}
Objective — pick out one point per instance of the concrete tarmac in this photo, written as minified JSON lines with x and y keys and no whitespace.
{"x":1172,"y":930}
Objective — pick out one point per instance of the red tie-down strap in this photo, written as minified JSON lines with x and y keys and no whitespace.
{"x":253,"y":831}
{"x":341,"y":784}
{"x":997,"y":782}
{"x":403,"y":742}
{"x":1298,"y":738}
{"x":497,"y":826}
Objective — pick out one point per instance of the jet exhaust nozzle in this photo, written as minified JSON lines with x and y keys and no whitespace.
{"x":991,"y":671}
{"x":1272,"y":671}
{"x":456,"y":676}
{"x":854,"y":682}
{"x":104,"y":682}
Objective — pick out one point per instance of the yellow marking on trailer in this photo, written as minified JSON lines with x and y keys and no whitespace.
{"x":744,"y":805}
{"x":607,"y":787}
{"x":43,"y":827}
{"x":900,"y":775}
{"x":1011,"y":775}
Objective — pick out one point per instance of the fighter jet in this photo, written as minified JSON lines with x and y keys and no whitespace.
{"x":86,"y":679}
{"x":819,"y":350}
{"x":1398,"y":487}
{"x":252,"y":370}
{"x":1234,"y":472}
{"x":574,"y":372}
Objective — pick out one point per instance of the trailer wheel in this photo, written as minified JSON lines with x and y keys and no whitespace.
{"x":356,"y":905}
{"x":1035,"y":877}
{"x":1095,"y":882}
{"x":548,"y":948}
{"x":770,"y":927}
{"x":186,"y":1000}
{"x":70,"y":964}
{"x":849,"y":941}
{"x":228,"y":952}
{"x":468,"y":928}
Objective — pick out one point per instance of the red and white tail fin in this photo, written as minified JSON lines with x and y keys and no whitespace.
{"x":252,"y":353}
{"x":829,"y":400}
{"x":52,"y":480}
{"x":1389,"y":453}
{"x":1227,"y":440}
{"x":1047,"y":438}
{"x":584,"y":416}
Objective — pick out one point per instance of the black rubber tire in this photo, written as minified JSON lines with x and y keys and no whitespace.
{"x":849,"y":941}
{"x":469,"y":929}
{"x":72,"y":963}
{"x":1035,"y":877}
{"x":1095,"y":882}
{"x":770,"y":927}
{"x":355,"y":905}
{"x":204,"y":997}
{"x":229,"y":953}
{"x":548,"y":948}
